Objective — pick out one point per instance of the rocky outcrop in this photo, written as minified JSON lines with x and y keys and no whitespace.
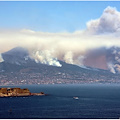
{"x":17,"y":92}
{"x":38,"y":94}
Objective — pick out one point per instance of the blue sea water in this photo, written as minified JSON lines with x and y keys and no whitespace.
{"x":95,"y":101}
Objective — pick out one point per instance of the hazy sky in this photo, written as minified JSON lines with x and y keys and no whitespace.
{"x":53,"y":31}
{"x":51,"y":16}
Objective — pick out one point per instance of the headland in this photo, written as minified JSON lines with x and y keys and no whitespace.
{"x":17,"y":92}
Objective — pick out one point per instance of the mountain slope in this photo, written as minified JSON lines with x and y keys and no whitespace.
{"x":16,"y":69}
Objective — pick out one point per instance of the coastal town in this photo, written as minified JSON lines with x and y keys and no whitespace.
{"x":18,"y":78}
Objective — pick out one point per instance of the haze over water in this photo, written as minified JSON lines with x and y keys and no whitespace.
{"x":95,"y":101}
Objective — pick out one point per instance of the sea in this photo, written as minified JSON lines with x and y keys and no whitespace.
{"x":95,"y":101}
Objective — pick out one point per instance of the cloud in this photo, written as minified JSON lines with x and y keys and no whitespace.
{"x":109,"y":22}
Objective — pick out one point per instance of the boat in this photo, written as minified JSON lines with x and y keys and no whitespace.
{"x":76,"y":98}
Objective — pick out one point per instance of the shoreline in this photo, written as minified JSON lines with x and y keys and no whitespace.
{"x":32,"y":94}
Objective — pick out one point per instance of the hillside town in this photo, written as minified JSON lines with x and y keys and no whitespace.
{"x":56,"y":78}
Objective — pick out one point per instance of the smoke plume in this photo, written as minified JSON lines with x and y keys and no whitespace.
{"x":45,"y":57}
{"x":1,"y":59}
{"x":73,"y":48}
{"x":109,"y":22}
{"x":111,"y":67}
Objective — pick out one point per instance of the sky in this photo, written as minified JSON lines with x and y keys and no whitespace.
{"x":55,"y":16}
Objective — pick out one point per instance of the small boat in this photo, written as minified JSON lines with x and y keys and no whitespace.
{"x":76,"y":98}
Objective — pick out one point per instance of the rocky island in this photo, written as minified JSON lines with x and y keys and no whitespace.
{"x":17,"y":92}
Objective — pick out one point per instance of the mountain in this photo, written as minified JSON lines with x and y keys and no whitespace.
{"x":19,"y":68}
{"x":18,"y":55}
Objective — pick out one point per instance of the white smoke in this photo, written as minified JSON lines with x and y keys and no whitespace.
{"x":69,"y":57}
{"x":108,"y":25}
{"x":68,"y":47}
{"x":45,"y":57}
{"x":72,"y":48}
{"x":111,"y":67}
{"x":81,"y":59}
{"x":117,"y":67}
{"x":117,"y":59}
{"x":1,"y":58}
{"x":114,"y":60}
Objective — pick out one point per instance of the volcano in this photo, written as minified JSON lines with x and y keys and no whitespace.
{"x":18,"y":67}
